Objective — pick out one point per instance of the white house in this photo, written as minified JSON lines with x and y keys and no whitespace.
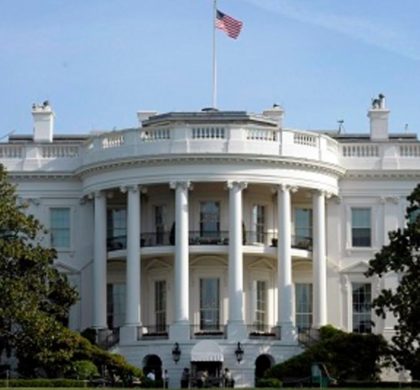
{"x":216,"y":239}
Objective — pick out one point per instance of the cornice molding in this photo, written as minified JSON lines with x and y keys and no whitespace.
{"x":309,"y":165}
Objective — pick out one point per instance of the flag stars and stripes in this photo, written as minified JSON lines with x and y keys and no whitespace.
{"x":229,"y":25}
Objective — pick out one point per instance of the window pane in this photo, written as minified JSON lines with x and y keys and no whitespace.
{"x":60,"y":227}
{"x":362,"y":298}
{"x":209,"y":304}
{"x":160,"y":224}
{"x":303,"y":299}
{"x":261,"y":304}
{"x":209,"y":219}
{"x":116,"y":222}
{"x":303,"y":223}
{"x":160,"y":305}
{"x":258,"y":220}
{"x":115,"y":305}
{"x":361,"y":227}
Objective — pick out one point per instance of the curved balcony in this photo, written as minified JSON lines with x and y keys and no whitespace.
{"x":209,"y":139}
{"x":196,"y":238}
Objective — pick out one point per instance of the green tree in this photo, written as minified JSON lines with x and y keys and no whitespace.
{"x":35,"y":297}
{"x":402,"y":256}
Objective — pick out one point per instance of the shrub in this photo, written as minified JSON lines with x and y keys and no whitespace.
{"x":53,"y":383}
{"x":83,"y":369}
{"x":347,"y":356}
{"x":268,"y":382}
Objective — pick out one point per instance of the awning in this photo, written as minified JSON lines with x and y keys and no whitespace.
{"x":206,"y":351}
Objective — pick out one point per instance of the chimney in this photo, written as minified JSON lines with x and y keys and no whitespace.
{"x":43,"y":122}
{"x":378,"y":115}
{"x":276,"y":114}
{"x":145,"y":115}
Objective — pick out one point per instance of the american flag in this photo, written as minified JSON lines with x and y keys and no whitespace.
{"x":229,"y":25}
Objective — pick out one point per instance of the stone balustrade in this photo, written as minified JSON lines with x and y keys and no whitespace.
{"x":196,"y":139}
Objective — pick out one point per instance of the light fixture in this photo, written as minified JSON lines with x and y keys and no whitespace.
{"x":239,"y":352}
{"x":176,"y":353}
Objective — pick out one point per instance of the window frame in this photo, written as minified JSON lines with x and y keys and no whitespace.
{"x":309,"y":314}
{"x":361,"y":314}
{"x":68,"y":228}
{"x":160,"y":309}
{"x":258,"y":226}
{"x":201,"y":309}
{"x":353,"y":228}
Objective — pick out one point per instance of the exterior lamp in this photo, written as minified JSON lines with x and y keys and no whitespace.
{"x":239,"y":352}
{"x":176,"y":353}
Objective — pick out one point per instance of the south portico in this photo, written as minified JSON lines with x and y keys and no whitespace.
{"x":180,"y":328}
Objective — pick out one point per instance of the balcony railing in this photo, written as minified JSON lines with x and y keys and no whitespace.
{"x":152,"y":332}
{"x":213,"y":331}
{"x":298,"y":242}
{"x":256,"y":331}
{"x":259,"y":238}
{"x":208,"y":238}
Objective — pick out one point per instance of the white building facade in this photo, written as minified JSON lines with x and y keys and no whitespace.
{"x":217,"y":239}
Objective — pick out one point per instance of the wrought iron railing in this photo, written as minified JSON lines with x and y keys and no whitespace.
{"x":153,"y":332}
{"x":264,"y":331}
{"x":208,"y":331}
{"x":258,"y":238}
{"x":116,"y":243}
{"x":298,"y":242}
{"x":209,"y":238}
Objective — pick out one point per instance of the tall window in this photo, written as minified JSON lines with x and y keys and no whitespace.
{"x":303,"y":223}
{"x":116,"y":222}
{"x":160,"y":305}
{"x":115,"y":305}
{"x":361,"y":230}
{"x":362,"y":299}
{"x":261,"y":304}
{"x":160,"y":224}
{"x":258,"y":221}
{"x":303,"y":299}
{"x":209,"y":219}
{"x":60,"y":227}
{"x":209,"y":304}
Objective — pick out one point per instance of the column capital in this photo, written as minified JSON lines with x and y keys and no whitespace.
{"x":241,"y":185}
{"x":286,"y":187}
{"x":97,"y":194}
{"x":185,"y":185}
{"x":325,"y":193}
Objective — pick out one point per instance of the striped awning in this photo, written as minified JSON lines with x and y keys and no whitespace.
{"x":206,"y":351}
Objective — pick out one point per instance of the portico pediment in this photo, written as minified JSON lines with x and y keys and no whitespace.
{"x":359,"y":267}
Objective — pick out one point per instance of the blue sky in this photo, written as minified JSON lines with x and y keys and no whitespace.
{"x":100,"y":61}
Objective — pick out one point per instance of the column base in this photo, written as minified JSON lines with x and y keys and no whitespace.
{"x":179,"y":331}
{"x":236,"y":330}
{"x":129,"y":334}
{"x":289,"y":335}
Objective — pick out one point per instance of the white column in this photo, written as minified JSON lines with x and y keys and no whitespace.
{"x":181,"y":252}
{"x":319,"y":260}
{"x":99,"y":262}
{"x":133,"y":258}
{"x":236,"y":304}
{"x":284,"y":266}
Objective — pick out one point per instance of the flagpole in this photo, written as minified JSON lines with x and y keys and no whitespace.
{"x":214,"y":55}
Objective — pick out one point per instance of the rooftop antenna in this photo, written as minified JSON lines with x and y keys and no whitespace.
{"x":340,"y":126}
{"x":406,"y":128}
